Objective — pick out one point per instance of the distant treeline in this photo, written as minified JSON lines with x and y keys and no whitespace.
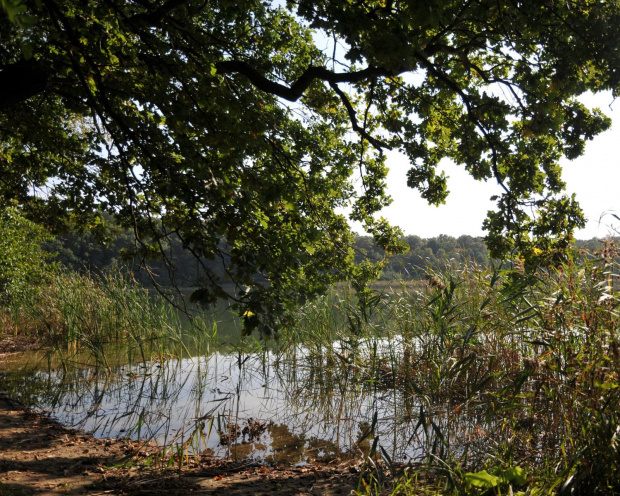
{"x":438,"y":252}
{"x":84,"y":253}
{"x":433,"y":252}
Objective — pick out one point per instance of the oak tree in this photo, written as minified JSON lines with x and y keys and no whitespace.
{"x":247,"y":128}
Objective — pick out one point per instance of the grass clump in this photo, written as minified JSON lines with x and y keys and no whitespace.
{"x":504,"y":381}
{"x":76,"y":314}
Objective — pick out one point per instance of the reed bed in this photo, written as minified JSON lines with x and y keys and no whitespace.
{"x":84,"y":318}
{"x":509,"y":380}
{"x":481,"y":380}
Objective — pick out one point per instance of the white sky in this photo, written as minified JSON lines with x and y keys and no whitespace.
{"x":594,"y":178}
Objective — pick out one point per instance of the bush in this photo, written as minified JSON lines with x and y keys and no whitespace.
{"x":24,"y":265}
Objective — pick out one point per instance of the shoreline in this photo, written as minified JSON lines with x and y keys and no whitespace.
{"x":40,"y":456}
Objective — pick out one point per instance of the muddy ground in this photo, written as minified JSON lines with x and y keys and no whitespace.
{"x":39,"y":456}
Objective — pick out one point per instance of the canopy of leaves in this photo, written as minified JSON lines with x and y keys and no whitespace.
{"x":230,"y":125}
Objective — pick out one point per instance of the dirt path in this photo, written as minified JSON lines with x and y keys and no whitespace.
{"x":39,"y":456}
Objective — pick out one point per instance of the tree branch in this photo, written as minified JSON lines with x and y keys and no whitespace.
{"x":466,"y":101}
{"x":296,"y":90}
{"x":377,"y":143}
{"x":21,"y":81}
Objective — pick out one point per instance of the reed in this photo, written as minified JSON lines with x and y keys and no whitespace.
{"x":501,"y":372}
{"x":503,"y":381}
{"x":83,"y":317}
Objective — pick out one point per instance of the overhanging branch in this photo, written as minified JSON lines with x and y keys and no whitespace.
{"x":377,"y":143}
{"x":440,"y":75}
{"x":297,"y":89}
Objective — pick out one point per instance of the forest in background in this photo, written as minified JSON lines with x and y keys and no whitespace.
{"x":83,"y":253}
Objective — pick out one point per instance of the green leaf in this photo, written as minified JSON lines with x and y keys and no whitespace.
{"x":481,"y":479}
{"x":514,"y":475}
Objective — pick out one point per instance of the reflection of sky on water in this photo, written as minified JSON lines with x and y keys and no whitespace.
{"x":309,"y":407}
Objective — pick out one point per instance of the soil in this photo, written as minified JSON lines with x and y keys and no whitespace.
{"x":39,"y":456}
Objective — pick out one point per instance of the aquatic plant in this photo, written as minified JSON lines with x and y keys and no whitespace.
{"x":496,"y":369}
{"x":473,"y":377}
{"x":81,"y":316}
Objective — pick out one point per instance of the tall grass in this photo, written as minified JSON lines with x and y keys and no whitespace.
{"x":501,"y":373}
{"x":503,"y":381}
{"x":80,"y":316}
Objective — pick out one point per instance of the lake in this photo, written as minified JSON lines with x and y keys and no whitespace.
{"x":296,"y":406}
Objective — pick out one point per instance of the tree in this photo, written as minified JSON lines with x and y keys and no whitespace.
{"x":230,"y":125}
{"x":24,"y":265}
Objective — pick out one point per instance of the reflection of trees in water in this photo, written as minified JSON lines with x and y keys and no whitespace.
{"x":295,"y":406}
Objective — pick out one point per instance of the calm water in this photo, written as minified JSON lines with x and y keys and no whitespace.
{"x":296,"y":407}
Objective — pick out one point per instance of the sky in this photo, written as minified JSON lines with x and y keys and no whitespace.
{"x":593,"y":177}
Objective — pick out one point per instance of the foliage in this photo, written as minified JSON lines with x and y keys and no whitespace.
{"x":483,"y":481}
{"x":436,"y":252}
{"x":85,"y":314}
{"x":24,"y":265}
{"x":227,"y":125}
{"x":577,"y":326}
{"x":503,"y":379}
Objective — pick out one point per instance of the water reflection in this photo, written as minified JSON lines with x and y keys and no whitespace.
{"x":299,"y":406}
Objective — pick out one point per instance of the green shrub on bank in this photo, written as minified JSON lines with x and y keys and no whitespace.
{"x":24,"y":265}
